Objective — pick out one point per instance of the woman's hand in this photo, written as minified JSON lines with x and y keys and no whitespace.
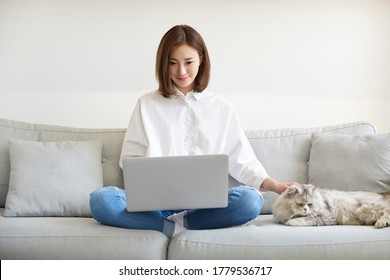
{"x":272,"y":185}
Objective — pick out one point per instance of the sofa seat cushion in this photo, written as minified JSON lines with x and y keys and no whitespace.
{"x":50,"y":238}
{"x":264,"y":239}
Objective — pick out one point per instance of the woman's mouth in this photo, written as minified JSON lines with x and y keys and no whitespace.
{"x":182,"y":79}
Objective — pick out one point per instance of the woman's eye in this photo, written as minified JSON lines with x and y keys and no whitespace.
{"x":172,"y":62}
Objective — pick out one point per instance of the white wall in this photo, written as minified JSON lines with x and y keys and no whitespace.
{"x":283,"y":63}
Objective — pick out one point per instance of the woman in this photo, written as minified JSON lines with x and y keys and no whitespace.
{"x":183,"y":118}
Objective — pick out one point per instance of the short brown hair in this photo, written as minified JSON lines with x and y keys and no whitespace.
{"x":176,"y":36}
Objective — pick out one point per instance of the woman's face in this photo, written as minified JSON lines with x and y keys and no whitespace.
{"x":183,"y":67}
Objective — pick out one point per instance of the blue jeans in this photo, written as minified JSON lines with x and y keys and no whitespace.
{"x":108,"y":206}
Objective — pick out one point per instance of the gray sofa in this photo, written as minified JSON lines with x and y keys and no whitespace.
{"x":285,"y":153}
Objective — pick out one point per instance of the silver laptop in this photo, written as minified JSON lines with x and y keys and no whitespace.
{"x":175,"y":183}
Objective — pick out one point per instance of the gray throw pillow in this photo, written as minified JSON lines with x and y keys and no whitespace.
{"x":53,"y":178}
{"x":350,"y":162}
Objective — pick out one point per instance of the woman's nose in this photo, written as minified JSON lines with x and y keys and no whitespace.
{"x":182,"y":70}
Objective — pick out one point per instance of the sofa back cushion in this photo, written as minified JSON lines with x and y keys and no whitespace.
{"x":285,"y":153}
{"x":112,"y":140}
{"x":350,"y":162}
{"x":53,"y":178}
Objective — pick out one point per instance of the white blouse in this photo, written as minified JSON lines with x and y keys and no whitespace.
{"x":191,"y":124}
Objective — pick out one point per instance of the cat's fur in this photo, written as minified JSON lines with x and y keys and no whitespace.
{"x":306,"y":205}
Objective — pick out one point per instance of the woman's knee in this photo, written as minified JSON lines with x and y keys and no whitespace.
{"x":106,"y":202}
{"x":247,"y":200}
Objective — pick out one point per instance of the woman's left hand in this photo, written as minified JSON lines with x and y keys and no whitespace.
{"x":271,"y":184}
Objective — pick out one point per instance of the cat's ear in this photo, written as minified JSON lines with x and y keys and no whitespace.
{"x":310,"y":188}
{"x":292,"y":190}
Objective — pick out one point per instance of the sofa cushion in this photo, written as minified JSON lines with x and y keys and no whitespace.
{"x":350,"y":162}
{"x":264,"y":239}
{"x":285,"y":152}
{"x":76,"y":238}
{"x":112,"y":139}
{"x":53,"y":178}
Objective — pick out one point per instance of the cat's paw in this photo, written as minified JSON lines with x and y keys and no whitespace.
{"x":290,"y":222}
{"x":297,"y":222}
{"x":381,"y":223}
{"x":301,"y":222}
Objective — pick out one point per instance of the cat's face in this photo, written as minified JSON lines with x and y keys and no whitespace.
{"x":301,"y":199}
